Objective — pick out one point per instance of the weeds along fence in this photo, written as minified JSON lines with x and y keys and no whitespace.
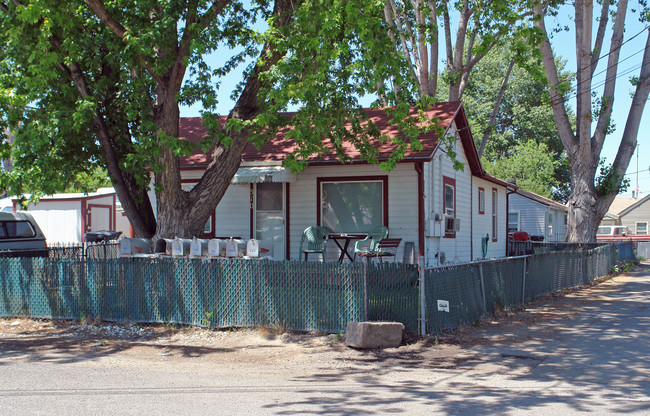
{"x":294,"y":295}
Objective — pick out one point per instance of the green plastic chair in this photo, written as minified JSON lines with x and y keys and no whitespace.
{"x":374,"y":237}
{"x":316,"y":241}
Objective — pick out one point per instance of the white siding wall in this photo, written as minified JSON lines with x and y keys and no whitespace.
{"x":458,"y":249}
{"x":232,"y":216}
{"x":482,"y":223}
{"x":402,"y":202}
{"x":531,"y":214}
{"x":533,"y":218}
{"x":59,"y":226}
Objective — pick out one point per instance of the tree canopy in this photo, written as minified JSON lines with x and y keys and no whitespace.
{"x":87,"y":84}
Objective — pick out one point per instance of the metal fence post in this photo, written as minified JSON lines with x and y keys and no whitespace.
{"x":423,"y":299}
{"x":365,"y":291}
{"x":480,"y":272}
{"x":523,"y":284}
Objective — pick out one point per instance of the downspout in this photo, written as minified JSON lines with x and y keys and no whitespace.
{"x":471,"y":217}
{"x":508,"y":193}
{"x":419,"y":168}
{"x":84,"y":215}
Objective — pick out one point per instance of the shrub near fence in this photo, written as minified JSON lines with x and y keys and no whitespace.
{"x":304,"y":296}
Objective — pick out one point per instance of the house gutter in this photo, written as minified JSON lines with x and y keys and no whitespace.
{"x":508,"y":193}
{"x":419,"y":168}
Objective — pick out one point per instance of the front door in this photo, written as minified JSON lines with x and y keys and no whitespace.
{"x":269,"y":217}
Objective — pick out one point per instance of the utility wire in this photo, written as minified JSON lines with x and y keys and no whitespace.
{"x":560,"y":98}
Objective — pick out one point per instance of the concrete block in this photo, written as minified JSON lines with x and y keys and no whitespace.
{"x":373,"y":334}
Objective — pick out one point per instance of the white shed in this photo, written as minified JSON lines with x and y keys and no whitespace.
{"x":66,"y":217}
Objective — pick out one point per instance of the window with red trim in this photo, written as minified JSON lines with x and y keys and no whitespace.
{"x":481,"y":200}
{"x":353,"y":204}
{"x":449,"y":200}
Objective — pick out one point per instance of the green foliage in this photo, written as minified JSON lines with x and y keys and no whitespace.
{"x":530,"y":164}
{"x":331,"y":52}
{"x":610,"y":182}
{"x":90,"y":181}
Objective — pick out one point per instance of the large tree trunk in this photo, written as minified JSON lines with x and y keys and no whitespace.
{"x":184,"y":213}
{"x":587,"y":205}
{"x":582,"y":220}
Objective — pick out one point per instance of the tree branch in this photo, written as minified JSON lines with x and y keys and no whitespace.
{"x":178,"y":71}
{"x":600,"y":35}
{"x":390,"y":4}
{"x":433,"y":54}
{"x":557,"y":100}
{"x":607,"y":102}
{"x":495,"y":110}
{"x":449,"y":49}
{"x":225,"y":162}
{"x":98,"y":7}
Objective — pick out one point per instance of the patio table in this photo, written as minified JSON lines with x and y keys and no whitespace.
{"x":342,"y":240}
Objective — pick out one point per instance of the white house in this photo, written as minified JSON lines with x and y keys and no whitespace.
{"x":537,"y":215}
{"x":424,"y":201}
{"x":66,"y":217}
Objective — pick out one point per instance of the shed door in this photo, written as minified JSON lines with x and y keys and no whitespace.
{"x":269,"y":216}
{"x":99,"y":217}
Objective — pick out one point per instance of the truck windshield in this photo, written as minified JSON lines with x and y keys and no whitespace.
{"x":604,"y":230}
{"x":16,"y":229}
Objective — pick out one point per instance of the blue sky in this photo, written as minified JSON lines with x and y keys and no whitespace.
{"x":564,"y":45}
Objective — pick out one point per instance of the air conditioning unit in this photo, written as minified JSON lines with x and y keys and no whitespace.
{"x":452,"y":225}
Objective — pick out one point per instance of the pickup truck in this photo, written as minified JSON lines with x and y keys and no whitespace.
{"x":618,"y":233}
{"x":20,"y":236}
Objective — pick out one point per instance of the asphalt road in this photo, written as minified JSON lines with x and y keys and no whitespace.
{"x":587,"y":352}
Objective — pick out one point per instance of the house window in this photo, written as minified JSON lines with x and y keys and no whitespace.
{"x":449,"y":197}
{"x":353,"y":205}
{"x":642,"y":227}
{"x":495,"y":222}
{"x":481,"y":201}
{"x":549,"y":224}
{"x":513,"y":222}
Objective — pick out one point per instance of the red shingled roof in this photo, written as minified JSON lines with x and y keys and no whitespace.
{"x":278,"y":148}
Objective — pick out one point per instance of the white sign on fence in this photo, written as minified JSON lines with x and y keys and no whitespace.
{"x":443,"y":305}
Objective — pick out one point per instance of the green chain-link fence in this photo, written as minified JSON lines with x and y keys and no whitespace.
{"x":476,"y":289}
{"x":305,"y":296}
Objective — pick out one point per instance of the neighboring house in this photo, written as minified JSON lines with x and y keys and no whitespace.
{"x":537,"y":215}
{"x":66,"y":217}
{"x":631,"y":212}
{"x":416,"y":200}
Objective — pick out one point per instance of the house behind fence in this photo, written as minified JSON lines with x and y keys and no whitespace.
{"x":302,"y":296}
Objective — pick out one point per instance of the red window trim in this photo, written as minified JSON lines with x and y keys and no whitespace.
{"x":481,"y":191}
{"x":495,"y":214}
{"x":451,"y":182}
{"x":383,"y":179}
